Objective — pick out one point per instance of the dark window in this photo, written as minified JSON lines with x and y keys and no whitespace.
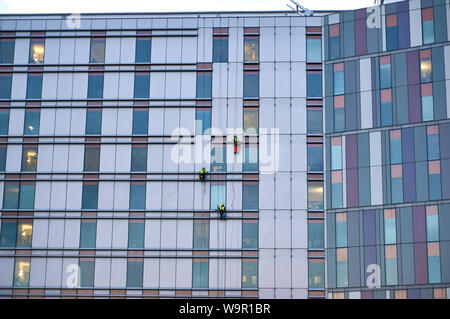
{"x":251,"y":49}
{"x":5,"y":85}
{"x":385,"y":72}
{"x":137,"y":195}
{"x":139,"y":158}
{"x":334,"y":39}
{"x":8,"y":233}
{"x":87,"y":271}
{"x":4,"y":121}
{"x":3,"y":150}
{"x":34,"y":86}
{"x":136,"y":230}
{"x":386,"y":107}
{"x":29,"y":158}
{"x":204,"y":85}
{"x":93,"y":121}
{"x":315,"y":157}
{"x":249,"y":234}
{"x":7,"y":51}
{"x":250,"y":157}
{"x":314,"y":83}
{"x":338,"y":79}
{"x":428,"y":25}
{"x":135,"y":271}
{"x":315,"y":234}
{"x":203,"y":121}
{"x":200,"y":273}
{"x":249,"y":273}
{"x":95,"y":85}
{"x":26,"y":195}
{"x":143,"y":49}
{"x":92,"y":157}
{"x":339,"y":113}
{"x":201,"y":234}
{"x":140,"y":121}
{"x":37,"y":50}
{"x":11,"y":195}
{"x":31,"y":123}
{"x":391,"y":32}
{"x":314,"y":49}
{"x":97,"y":50}
{"x":250,"y":195}
{"x":220,"y":49}
{"x":251,"y":84}
{"x":88,"y":233}
{"x":90,"y":195}
{"x":141,"y":85}
{"x":218,"y":156}
{"x":316,"y":273}
{"x":315,"y":121}
{"x":433,"y":142}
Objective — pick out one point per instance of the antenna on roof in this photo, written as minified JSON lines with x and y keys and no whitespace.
{"x":378,"y":2}
{"x":299,"y":9}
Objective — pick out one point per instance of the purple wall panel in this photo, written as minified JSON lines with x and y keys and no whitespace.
{"x":360,"y":32}
{"x":408,"y":145}
{"x":415,"y":114}
{"x":352,"y":188}
{"x":421,"y":263}
{"x":413,"y":294}
{"x":409,"y":182}
{"x":413,"y":67}
{"x":351,"y":154}
{"x":419,"y":224}
{"x":403,"y":29}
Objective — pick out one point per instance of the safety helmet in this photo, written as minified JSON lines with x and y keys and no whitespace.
{"x":222,"y":204}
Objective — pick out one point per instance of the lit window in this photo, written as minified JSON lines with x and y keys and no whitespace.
{"x":251,"y":49}
{"x":316,"y":273}
{"x":24,"y":233}
{"x":251,"y":120}
{"x":22,"y":272}
{"x":36,"y":51}
{"x":249,"y":273}
{"x":97,"y":50}
{"x":315,"y":195}
{"x":426,"y":71}
{"x":29,"y":158}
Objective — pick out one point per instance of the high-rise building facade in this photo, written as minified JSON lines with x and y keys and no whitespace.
{"x":325,"y":137}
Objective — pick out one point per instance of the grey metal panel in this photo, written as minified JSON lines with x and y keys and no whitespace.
{"x":407,"y":251}
{"x":353,"y":228}
{"x":354,"y":267}
{"x":439,"y":100}
{"x":406,"y":224}
{"x":445,"y":261}
{"x":331,"y":268}
{"x":401,"y":103}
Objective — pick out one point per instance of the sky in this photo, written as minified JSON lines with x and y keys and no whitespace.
{"x":83,"y":6}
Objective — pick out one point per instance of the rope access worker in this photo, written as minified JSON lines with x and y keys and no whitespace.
{"x":222,"y":211}
{"x":203,"y":173}
{"x":236,"y":146}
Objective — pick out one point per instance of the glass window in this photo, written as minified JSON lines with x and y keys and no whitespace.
{"x":87,"y":271}
{"x":203,"y":121}
{"x":314,"y":49}
{"x":140,"y":121}
{"x":396,"y":146}
{"x":250,"y":157}
{"x":315,"y":157}
{"x":5,"y":85}
{"x":95,"y":85}
{"x":31,"y":123}
{"x":135,"y":271}
{"x":93,"y":121}
{"x":97,"y":50}
{"x":29,"y":158}
{"x":136,"y":233}
{"x":336,"y":189}
{"x":21,"y":272}
{"x":4,"y":121}
{"x":37,"y":50}
{"x":220,"y":49}
{"x":92,"y":157}
{"x":316,"y":273}
{"x":427,"y":102}
{"x":251,"y":84}
{"x":339,"y":113}
{"x":218,"y":156}
{"x":34,"y":86}
{"x":26,"y":195}
{"x":24,"y":233}
{"x":391,"y":32}
{"x":432,"y":223}
{"x":434,"y":180}
{"x":200,"y":273}
{"x":249,"y":234}
{"x":390,"y":230}
{"x":143,"y":49}
{"x":314,"y":83}
{"x":385,"y":72}
{"x":8,"y":233}
{"x":251,"y":49}
{"x":137,"y":195}
{"x":342,"y":267}
{"x":315,"y":195}
{"x":250,"y":195}
{"x":251,"y":120}
{"x":428,"y":25}
{"x":338,"y":78}
{"x":249,"y":273}
{"x":386,"y":107}
{"x":334,"y":42}
{"x":201,"y":234}
{"x":3,"y":150}
{"x":204,"y":85}
{"x":139,"y":158}
{"x":391,"y":264}
{"x":7,"y":51}
{"x":396,"y":183}
{"x":315,"y":234}
{"x":315,"y":121}
{"x":88,"y":233}
{"x":341,"y":230}
{"x":218,"y":194}
{"x":141,"y":85}
{"x":11,"y":195}
{"x":426,"y":70}
{"x":336,"y":153}
{"x":434,"y":263}
{"x":90,"y":195}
